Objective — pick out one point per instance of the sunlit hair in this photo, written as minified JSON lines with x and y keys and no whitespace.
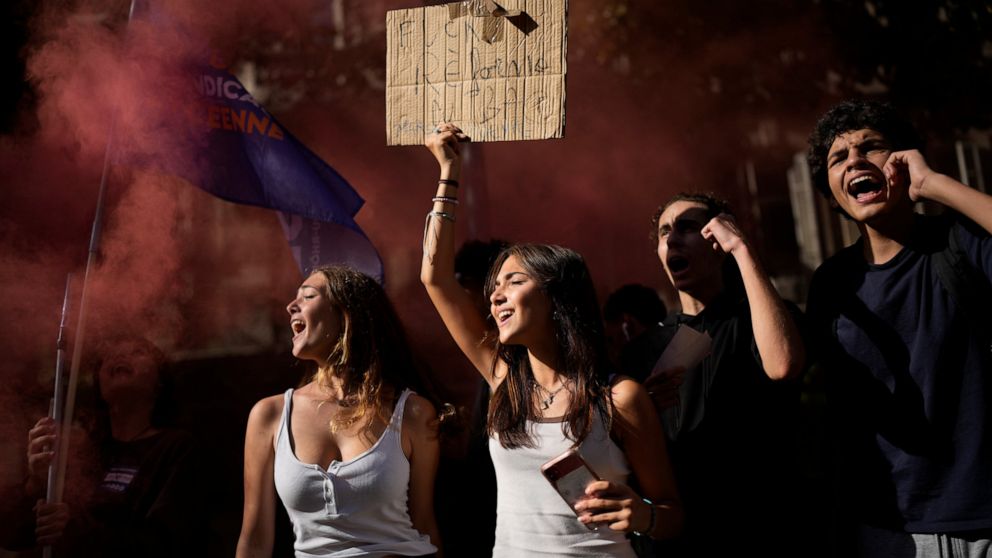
{"x":850,"y":116}
{"x":581,"y":358}
{"x":371,"y":356}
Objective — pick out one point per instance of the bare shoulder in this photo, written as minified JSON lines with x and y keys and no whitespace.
{"x":266,"y":413}
{"x":419,"y":413}
{"x":627,"y":394}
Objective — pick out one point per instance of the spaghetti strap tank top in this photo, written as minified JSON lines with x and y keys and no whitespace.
{"x":356,"y":507}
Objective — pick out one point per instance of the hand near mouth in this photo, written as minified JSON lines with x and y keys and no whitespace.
{"x":724,"y":233}
{"x":908,"y":165}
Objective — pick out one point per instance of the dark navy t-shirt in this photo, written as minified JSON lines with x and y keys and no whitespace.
{"x":910,"y":384}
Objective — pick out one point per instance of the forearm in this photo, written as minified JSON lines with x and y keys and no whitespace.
{"x":256,"y":539}
{"x":438,"y":264}
{"x":775,"y":333}
{"x":432,"y":531}
{"x":967,"y":201}
{"x":248,"y":548}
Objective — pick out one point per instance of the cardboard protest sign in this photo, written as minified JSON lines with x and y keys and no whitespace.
{"x":495,"y":70}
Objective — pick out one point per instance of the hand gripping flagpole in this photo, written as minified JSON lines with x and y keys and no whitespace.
{"x":57,"y":486}
{"x":58,"y":397}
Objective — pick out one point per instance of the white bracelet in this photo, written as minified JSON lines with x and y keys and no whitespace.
{"x":443,"y":215}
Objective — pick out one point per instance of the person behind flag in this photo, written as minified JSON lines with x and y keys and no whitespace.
{"x":352,"y":453}
{"x":139,"y":494}
{"x":547,"y":371}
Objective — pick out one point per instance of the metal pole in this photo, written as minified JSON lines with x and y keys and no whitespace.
{"x":58,"y":488}
{"x":58,"y":397}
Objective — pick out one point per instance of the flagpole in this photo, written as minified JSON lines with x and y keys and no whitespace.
{"x":58,"y":399}
{"x":58,"y":395}
{"x":57,"y":487}
{"x":80,"y":332}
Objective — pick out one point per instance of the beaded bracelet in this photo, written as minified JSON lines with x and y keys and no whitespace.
{"x":448,"y":182}
{"x":654,"y":518}
{"x":445,"y":199}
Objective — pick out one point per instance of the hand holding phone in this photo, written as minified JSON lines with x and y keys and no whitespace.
{"x":570,"y":475}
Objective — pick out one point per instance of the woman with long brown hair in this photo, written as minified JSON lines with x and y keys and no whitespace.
{"x":551,"y":391}
{"x":352,"y":453}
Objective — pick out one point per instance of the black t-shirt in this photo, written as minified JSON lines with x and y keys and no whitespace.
{"x":909,"y":385}
{"x":732,"y":439}
{"x":147,"y":502}
{"x":147,"y":499}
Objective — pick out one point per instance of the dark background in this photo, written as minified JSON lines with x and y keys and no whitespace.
{"x":662,"y":97}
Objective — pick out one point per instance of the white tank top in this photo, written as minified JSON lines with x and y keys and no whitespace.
{"x":532,"y":520}
{"x":356,"y":507}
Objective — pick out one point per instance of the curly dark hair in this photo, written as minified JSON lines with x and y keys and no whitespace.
{"x":578,"y":331}
{"x":851,"y":115}
{"x":714,"y":207}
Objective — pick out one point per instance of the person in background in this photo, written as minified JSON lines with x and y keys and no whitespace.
{"x":136,"y":493}
{"x":633,"y":315}
{"x":730,"y":419}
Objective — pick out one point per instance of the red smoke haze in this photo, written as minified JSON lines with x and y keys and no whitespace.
{"x":647,"y":116}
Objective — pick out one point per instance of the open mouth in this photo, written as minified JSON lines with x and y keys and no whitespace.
{"x":298,"y":326}
{"x":677,"y":264}
{"x":503,"y":316}
{"x":865,"y":188}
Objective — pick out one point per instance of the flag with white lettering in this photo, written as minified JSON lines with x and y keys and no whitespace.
{"x":254,"y":160}
{"x":244,"y":155}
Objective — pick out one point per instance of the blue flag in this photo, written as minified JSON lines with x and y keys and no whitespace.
{"x":242,"y":154}
{"x":253,"y":160}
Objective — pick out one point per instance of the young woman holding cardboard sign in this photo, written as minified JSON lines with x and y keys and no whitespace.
{"x":548,"y":373}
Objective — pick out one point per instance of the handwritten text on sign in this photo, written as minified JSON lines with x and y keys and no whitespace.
{"x":497,"y":77}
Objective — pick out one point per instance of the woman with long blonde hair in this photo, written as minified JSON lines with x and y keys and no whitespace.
{"x":352,"y":453}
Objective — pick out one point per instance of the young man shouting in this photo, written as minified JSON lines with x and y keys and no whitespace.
{"x":906,"y":351}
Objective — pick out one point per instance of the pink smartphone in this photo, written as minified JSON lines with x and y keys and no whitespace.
{"x":569,"y":475}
